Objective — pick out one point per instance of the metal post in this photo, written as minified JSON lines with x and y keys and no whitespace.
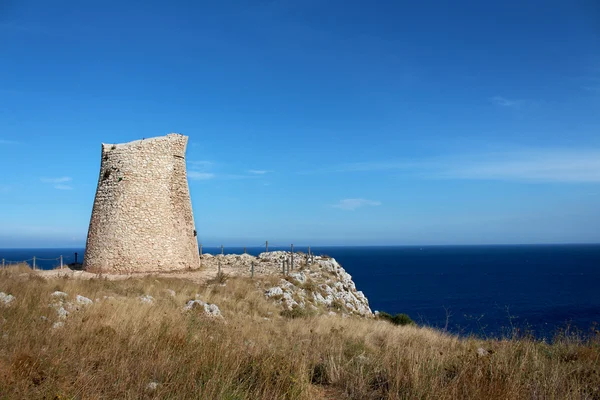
{"x":33,"y":262}
{"x":292,"y":257}
{"x":244,"y":249}
{"x":61,"y":262}
{"x":267,"y":244}
{"x":222,"y":251}
{"x":75,"y":258}
{"x":252,"y":273}
{"x":283,"y":267}
{"x":309,"y":250}
{"x":3,"y":263}
{"x":219,"y":267}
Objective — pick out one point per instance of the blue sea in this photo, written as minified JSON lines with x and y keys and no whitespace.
{"x":487,"y":291}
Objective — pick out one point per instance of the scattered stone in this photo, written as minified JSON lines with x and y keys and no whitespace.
{"x":482,"y":352}
{"x":288,"y":301}
{"x":60,"y":294}
{"x":299,"y":276}
{"x":82,"y":300}
{"x":286,"y":285}
{"x":274,"y":291}
{"x":58,"y":325}
{"x":146,"y":299}
{"x":6,"y":299}
{"x":170,"y":292}
{"x":210,"y":310}
{"x":62,"y":312}
{"x":152,"y":386}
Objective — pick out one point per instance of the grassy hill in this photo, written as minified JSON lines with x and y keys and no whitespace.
{"x":134,"y":338}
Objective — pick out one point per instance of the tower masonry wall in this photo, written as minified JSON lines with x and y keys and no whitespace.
{"x":142,"y":217}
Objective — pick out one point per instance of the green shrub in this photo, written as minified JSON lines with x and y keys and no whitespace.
{"x":398,"y":319}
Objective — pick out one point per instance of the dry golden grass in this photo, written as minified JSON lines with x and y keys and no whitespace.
{"x":115,"y":347}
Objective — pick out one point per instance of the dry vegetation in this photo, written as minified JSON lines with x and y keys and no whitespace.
{"x":121,"y":348}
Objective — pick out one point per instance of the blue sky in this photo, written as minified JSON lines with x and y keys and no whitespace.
{"x":311,"y":122}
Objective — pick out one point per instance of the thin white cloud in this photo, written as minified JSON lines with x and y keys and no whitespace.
{"x":538,"y":166}
{"x":6,"y":141}
{"x":203,"y":171}
{"x":589,"y":82}
{"x":200,"y":176}
{"x":200,"y":170}
{"x":62,"y":179}
{"x":353,"y":204}
{"x":504,"y":102}
{"x":547,"y":165}
{"x":202,"y":164}
{"x":63,"y":187}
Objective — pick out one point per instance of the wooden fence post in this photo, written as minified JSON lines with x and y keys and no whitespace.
{"x":244,"y":249}
{"x":200,"y":255}
{"x":267,"y":244}
{"x":283,"y":267}
{"x":219,"y":267}
{"x":61,"y":262}
{"x":3,"y":263}
{"x":222,"y":250}
{"x":33,"y":262}
{"x":252,"y":273}
{"x":292,"y":257}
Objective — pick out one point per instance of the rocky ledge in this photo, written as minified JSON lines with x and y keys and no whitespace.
{"x":309,"y":283}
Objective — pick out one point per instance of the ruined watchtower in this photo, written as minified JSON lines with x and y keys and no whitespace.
{"x":142,"y":217}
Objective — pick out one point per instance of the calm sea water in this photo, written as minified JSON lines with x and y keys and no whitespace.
{"x":483,"y":290}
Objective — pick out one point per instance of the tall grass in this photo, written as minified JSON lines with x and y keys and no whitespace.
{"x":119,"y":347}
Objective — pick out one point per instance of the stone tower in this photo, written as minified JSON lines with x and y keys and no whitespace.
{"x":142,"y":217}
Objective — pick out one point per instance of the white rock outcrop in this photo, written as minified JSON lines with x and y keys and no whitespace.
{"x":210,"y":310}
{"x":321,"y":282}
{"x":83,"y":301}
{"x":6,"y":299}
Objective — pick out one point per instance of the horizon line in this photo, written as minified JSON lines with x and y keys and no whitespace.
{"x":350,"y":245}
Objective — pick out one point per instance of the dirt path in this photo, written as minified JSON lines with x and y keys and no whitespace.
{"x":232,"y":265}
{"x":197,"y":276}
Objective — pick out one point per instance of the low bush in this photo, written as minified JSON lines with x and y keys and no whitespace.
{"x":398,"y":319}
